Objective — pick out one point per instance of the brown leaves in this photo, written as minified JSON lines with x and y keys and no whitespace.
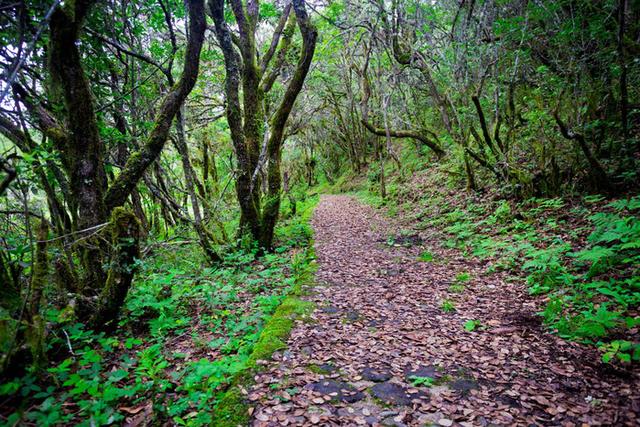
{"x":139,"y":414}
{"x":380,"y":308}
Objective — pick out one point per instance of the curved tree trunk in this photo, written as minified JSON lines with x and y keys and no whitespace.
{"x":259,"y":214}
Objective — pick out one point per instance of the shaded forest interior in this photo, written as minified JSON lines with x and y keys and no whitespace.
{"x":161,"y":160}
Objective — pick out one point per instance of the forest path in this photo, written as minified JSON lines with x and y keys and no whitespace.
{"x":379,"y":332}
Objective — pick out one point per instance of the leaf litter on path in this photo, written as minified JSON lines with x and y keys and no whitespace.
{"x":380,"y":325}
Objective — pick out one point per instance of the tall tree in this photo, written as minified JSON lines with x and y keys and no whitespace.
{"x":257,"y":135}
{"x":73,"y":128}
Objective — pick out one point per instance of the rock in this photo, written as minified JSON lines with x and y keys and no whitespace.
{"x":429,"y":419}
{"x":375,"y":374}
{"x":392,"y":422}
{"x":464,"y":385}
{"x":338,"y":390}
{"x":371,"y":420}
{"x":329,"y":309}
{"x":393,"y":271}
{"x":395,"y":394}
{"x":446,"y":422}
{"x":344,"y":412}
{"x":374,"y":323}
{"x":408,"y":241}
{"x":514,"y":403}
{"x":327,"y":368}
{"x":421,"y":371}
{"x":352,"y":316}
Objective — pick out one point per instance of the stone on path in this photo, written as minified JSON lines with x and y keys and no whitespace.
{"x":394,"y":394}
{"x":421,"y":371}
{"x":337,"y":390}
{"x":464,"y":385}
{"x":376,"y":375}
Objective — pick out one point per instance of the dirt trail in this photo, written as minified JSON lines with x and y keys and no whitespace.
{"x":379,"y":332}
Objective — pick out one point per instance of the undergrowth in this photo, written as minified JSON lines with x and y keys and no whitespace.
{"x":189,"y":333}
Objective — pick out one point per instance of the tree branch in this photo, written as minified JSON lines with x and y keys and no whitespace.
{"x":139,"y":161}
{"x":269,"y":79}
{"x":276,"y":38}
{"x":405,"y":134}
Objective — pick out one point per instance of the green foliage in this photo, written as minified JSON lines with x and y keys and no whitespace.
{"x":426,"y":256}
{"x":589,"y":290}
{"x":447,"y":306}
{"x":472,"y":325}
{"x":625,"y":351}
{"x":177,"y":299}
{"x":456,"y":288}
{"x":546,"y":269}
{"x":418,"y":381}
{"x":501,"y":214}
{"x":463,"y":278}
{"x":232,"y":409}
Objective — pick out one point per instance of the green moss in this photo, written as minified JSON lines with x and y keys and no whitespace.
{"x":318,"y":369}
{"x":381,"y":403}
{"x":278,"y":328}
{"x":442,"y":380}
{"x":232,"y":408}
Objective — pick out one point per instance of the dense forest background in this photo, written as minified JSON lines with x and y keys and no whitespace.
{"x":160,"y":161}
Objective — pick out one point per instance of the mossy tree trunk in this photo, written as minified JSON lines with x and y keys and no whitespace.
{"x":125,"y":241}
{"x":73,"y":128}
{"x":259,"y":214}
{"x":35,"y":333}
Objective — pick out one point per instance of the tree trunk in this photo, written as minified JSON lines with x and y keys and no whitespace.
{"x":190,"y":177}
{"x":258,"y":215}
{"x":125,"y":240}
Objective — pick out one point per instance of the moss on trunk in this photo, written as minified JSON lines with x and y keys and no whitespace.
{"x":35,"y":333}
{"x":125,"y":237}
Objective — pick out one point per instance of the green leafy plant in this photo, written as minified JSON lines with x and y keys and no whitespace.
{"x":456,"y":288}
{"x":463,"y":278}
{"x":546,"y":269}
{"x":426,"y":256}
{"x":447,"y":306}
{"x":418,"y":381}
{"x":622,"y":350}
{"x":472,"y":325}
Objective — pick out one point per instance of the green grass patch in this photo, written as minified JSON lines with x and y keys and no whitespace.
{"x":425,"y":256}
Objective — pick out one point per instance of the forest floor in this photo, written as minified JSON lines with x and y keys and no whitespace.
{"x":398,"y":341}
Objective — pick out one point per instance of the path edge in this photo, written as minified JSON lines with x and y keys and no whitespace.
{"x":233,"y":408}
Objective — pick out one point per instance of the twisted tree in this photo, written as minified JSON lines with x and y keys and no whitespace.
{"x":68,"y":118}
{"x":257,"y":133}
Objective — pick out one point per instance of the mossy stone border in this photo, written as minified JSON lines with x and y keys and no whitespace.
{"x":233,"y":408}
